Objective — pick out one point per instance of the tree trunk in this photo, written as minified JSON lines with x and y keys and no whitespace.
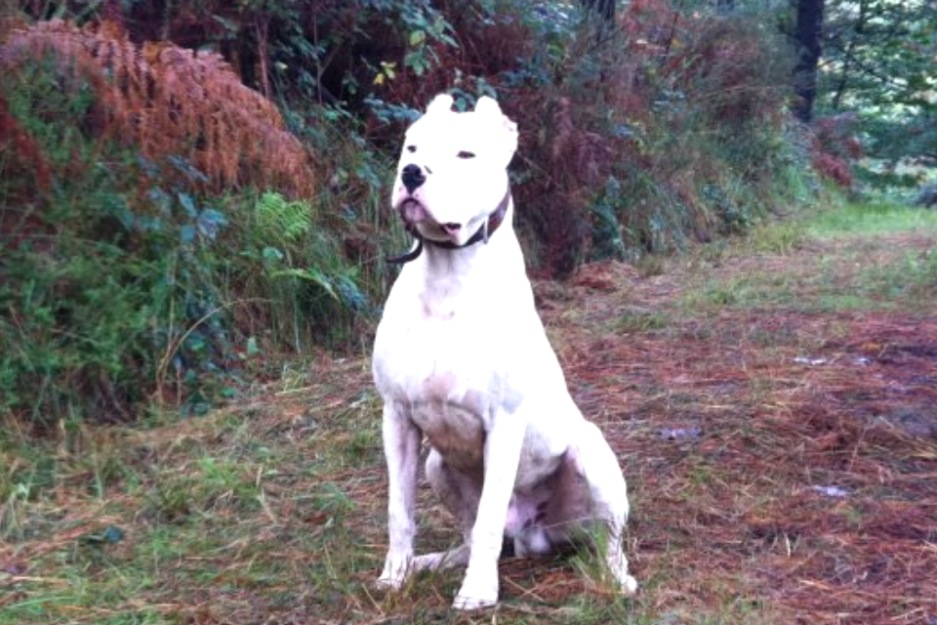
{"x":807,"y":35}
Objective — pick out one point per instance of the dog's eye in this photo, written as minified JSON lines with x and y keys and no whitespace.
{"x":411,"y":148}
{"x":464,"y":154}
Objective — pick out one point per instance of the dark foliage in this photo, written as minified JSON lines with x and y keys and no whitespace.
{"x":138,"y":120}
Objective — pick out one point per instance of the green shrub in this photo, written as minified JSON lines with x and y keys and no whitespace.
{"x":665,"y":127}
{"x":142,"y":264}
{"x":124,"y":280}
{"x":302,"y":269}
{"x":670,"y":130}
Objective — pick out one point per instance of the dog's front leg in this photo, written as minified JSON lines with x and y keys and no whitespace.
{"x":402,"y":451}
{"x":503,"y":445}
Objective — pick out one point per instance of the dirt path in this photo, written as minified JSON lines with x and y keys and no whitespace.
{"x":780,"y":436}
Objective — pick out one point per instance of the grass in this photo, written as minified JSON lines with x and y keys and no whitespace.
{"x":851,"y":257}
{"x":870,"y":219}
{"x":801,"y":372}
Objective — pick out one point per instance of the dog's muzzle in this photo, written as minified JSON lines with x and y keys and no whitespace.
{"x":481,"y":235}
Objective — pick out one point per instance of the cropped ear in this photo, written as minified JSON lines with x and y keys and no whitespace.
{"x":510,"y":125}
{"x":487,"y":106}
{"x":442,"y":102}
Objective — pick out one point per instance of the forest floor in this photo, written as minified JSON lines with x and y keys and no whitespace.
{"x":772,"y":401}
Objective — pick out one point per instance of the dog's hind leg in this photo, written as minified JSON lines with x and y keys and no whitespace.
{"x":458,"y":491}
{"x":460,"y":494}
{"x":449,"y":559}
{"x":595,"y":461}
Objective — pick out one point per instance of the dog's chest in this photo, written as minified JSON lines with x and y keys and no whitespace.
{"x":438,"y":365}
{"x":439,"y":362}
{"x":454,"y":430}
{"x":447,"y":393}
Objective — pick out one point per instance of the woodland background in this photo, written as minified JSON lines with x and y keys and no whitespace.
{"x":193,"y":195}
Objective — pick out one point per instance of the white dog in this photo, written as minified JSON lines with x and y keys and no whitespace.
{"x":461,"y":357}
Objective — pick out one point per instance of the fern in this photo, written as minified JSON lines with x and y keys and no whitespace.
{"x":279,"y":218}
{"x":28,"y":155}
{"x":169,"y":102}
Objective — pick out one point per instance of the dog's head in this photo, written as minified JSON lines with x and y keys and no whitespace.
{"x":453,"y":169}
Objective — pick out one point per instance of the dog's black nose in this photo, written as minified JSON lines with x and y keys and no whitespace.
{"x":412,"y":177}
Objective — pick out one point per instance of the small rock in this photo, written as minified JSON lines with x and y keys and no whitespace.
{"x":676,"y":434}
{"x":831,"y":491}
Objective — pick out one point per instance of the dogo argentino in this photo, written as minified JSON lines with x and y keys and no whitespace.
{"x":461,"y":357}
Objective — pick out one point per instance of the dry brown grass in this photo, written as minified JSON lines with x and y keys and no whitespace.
{"x":805,"y":480}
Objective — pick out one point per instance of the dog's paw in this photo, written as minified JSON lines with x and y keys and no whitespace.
{"x":465,"y":602}
{"x":618,"y":566}
{"x":628,"y":585}
{"x":477,"y":592}
{"x":389,"y":583}
{"x":394,"y":574}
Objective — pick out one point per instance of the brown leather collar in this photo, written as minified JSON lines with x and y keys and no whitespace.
{"x":487,"y":229}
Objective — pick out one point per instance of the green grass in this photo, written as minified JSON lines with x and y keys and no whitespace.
{"x":205,"y":521}
{"x":777,"y":237}
{"x":850,"y":257}
{"x":639,"y":321}
{"x":870,"y":219}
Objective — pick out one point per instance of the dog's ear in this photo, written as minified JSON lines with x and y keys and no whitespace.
{"x":489,"y":106}
{"x":441,"y":103}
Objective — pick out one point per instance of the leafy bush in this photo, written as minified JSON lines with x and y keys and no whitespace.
{"x":665,"y":129}
{"x":641,"y":135}
{"x":165,"y":225}
{"x":125,"y":278}
{"x":878,"y":60}
{"x":304,"y":270}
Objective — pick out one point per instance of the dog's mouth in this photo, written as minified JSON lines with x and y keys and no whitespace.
{"x":413,"y":212}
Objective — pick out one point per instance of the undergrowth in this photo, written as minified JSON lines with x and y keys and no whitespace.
{"x":132,"y":274}
{"x":180,"y":220}
{"x":662,"y":131}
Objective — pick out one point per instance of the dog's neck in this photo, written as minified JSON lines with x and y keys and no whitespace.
{"x":488,"y":228}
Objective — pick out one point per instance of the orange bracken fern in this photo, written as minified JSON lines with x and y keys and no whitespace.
{"x":170,"y":102}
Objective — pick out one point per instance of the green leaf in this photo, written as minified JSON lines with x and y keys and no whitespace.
{"x":272,"y":254}
{"x":417,"y":37}
{"x":310,"y":275}
{"x":252,"y":348}
{"x":187,"y":203}
{"x":187,"y":234}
